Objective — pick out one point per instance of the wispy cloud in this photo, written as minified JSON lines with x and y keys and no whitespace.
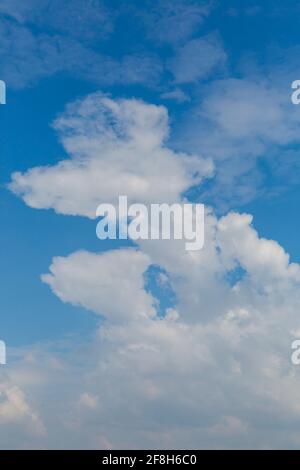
{"x":175,"y":21}
{"x":198,"y":59}
{"x":27,"y":57}
{"x":82,"y":19}
{"x":228,"y":125}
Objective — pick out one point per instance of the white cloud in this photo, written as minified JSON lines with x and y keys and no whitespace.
{"x":234,"y":106}
{"x":116,"y":147}
{"x":228,"y":125}
{"x":224,"y":380}
{"x":14,"y":409}
{"x":264,"y":260}
{"x":28,"y":56}
{"x":197,"y":59}
{"x":98,"y":282}
{"x":177,"y":95}
{"x":216,"y":369}
{"x":41,"y":38}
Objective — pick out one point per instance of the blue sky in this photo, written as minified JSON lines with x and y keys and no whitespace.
{"x":218,"y":75}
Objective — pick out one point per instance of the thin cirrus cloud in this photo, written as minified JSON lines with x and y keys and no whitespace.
{"x":84,"y":19}
{"x":175,"y":21}
{"x":69,"y":280}
{"x":37,"y":42}
{"x":228,"y":125}
{"x":198,"y":59}
{"x":205,"y":369}
{"x":27,"y":57}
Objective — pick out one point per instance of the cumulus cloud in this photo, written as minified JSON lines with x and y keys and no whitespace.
{"x":223,"y":379}
{"x":116,"y":147}
{"x":215,"y":369}
{"x":92,"y":281}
